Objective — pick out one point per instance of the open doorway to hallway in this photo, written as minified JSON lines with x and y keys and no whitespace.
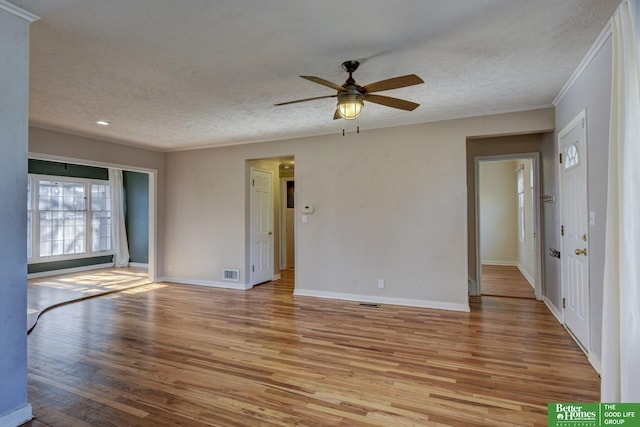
{"x":271,"y":223}
{"x":507,"y":231}
{"x":502,"y":148}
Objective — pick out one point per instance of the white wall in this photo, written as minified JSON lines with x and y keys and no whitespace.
{"x":14,"y":81}
{"x":390,"y":204}
{"x":591,"y":91}
{"x":498,"y":213}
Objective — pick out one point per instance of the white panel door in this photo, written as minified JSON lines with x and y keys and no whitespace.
{"x":575,"y":233}
{"x":261,"y":268}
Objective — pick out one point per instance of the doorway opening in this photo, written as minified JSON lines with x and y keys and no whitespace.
{"x":506,"y":227}
{"x":507,"y":233}
{"x":271,"y":221}
{"x":140,"y":203}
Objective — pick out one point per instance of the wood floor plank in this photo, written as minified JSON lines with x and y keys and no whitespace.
{"x":185,"y":355}
{"x":506,"y":281}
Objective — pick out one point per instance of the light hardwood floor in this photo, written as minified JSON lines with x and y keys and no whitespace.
{"x":46,"y":292}
{"x":505,"y":281}
{"x":170,"y":354}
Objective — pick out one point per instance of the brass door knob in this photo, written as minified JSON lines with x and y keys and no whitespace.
{"x":581,"y":251}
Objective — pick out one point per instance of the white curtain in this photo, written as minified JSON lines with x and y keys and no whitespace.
{"x":621,"y":304}
{"x":118,"y":231}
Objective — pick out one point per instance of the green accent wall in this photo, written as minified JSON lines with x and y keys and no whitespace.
{"x":136,"y":188}
{"x":44,"y":167}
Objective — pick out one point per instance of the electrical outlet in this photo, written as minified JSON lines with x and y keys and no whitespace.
{"x":380,"y":283}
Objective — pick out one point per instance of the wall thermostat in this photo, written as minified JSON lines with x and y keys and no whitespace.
{"x":307,"y":209}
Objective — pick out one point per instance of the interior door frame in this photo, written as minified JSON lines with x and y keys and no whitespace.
{"x":537,"y":215}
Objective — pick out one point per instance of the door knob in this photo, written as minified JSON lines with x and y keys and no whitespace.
{"x":581,"y":251}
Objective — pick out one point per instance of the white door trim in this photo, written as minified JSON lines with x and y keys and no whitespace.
{"x":535,"y":164}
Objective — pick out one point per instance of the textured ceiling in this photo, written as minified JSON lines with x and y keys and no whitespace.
{"x":172,"y":75}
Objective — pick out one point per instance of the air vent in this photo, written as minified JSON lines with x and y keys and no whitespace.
{"x":231,"y":274}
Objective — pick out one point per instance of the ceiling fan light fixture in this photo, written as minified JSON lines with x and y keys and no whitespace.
{"x":350,"y":105}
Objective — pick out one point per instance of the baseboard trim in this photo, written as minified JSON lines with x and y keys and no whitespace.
{"x":595,"y":362}
{"x":438,"y":305}
{"x":552,"y":308}
{"x":526,"y":275}
{"x":494,"y":262}
{"x":17,"y":417}
{"x":277,"y":277}
{"x":209,"y":283}
{"x":138,"y":265}
{"x":69,"y":270}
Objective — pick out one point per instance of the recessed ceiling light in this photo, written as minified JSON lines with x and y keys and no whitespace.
{"x":103,"y":123}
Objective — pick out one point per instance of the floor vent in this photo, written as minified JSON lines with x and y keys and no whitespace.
{"x":369,"y":304}
{"x":231,"y":274}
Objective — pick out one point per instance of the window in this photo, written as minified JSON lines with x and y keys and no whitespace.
{"x":29,"y":222}
{"x":100,"y":218}
{"x":67,"y":218}
{"x":571,"y":156}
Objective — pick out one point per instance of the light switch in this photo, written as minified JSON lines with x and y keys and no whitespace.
{"x":305,"y":218}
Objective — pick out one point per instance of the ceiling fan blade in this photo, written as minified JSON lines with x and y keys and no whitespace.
{"x":337,"y":115}
{"x":391,"y":102}
{"x":393,"y":83}
{"x":324,"y":82}
{"x":304,"y":100}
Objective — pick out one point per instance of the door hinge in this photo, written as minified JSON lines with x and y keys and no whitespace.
{"x":564,"y":303}
{"x":562,"y":230}
{"x":560,"y":157}
{"x":253,"y":268}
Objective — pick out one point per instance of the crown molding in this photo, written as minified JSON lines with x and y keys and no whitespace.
{"x":605,"y":34}
{"x":19,"y":12}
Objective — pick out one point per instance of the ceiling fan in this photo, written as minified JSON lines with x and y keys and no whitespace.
{"x":351,"y":95}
